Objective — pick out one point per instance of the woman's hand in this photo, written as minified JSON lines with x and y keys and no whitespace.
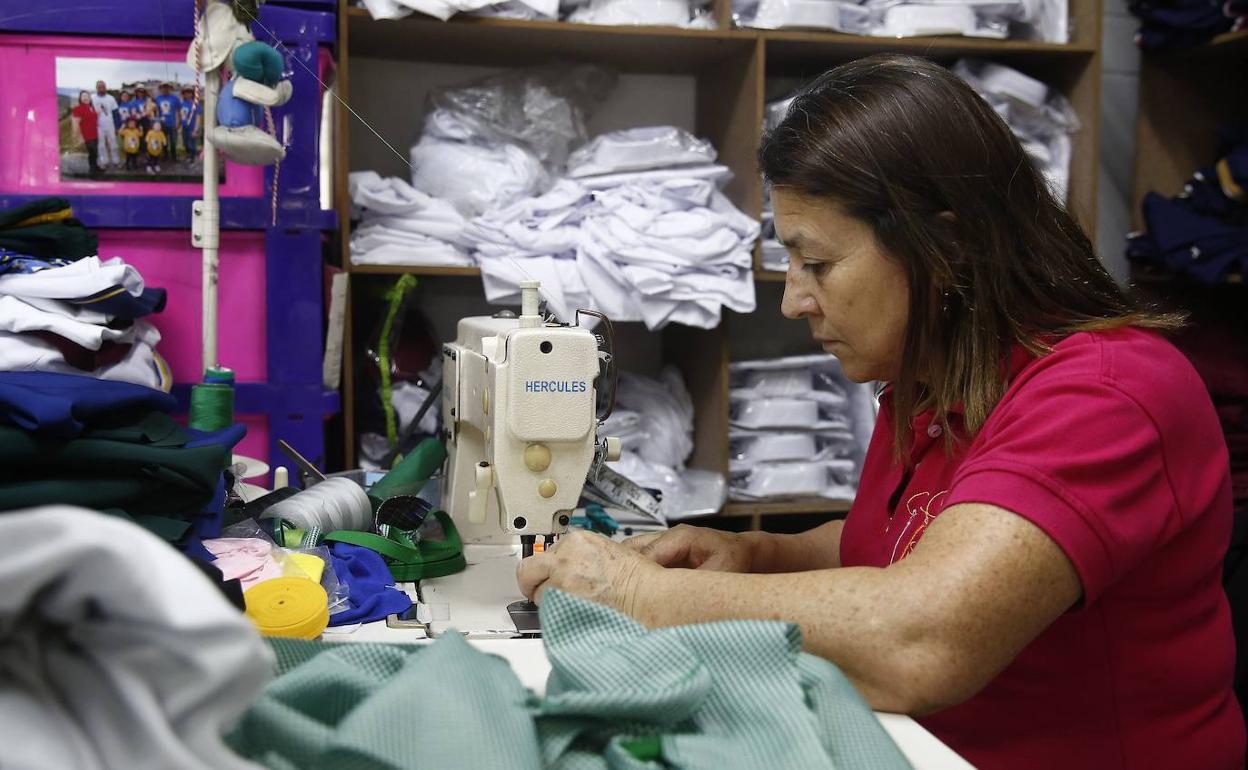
{"x":696,"y":548}
{"x":587,"y":565}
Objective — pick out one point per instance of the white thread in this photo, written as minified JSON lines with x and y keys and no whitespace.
{"x":333,"y":504}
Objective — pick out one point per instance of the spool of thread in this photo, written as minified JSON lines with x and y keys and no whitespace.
{"x":336,"y":503}
{"x":212,"y":401}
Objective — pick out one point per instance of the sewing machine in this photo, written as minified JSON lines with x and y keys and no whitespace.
{"x":520,"y":417}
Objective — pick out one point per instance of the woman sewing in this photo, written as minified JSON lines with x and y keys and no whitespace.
{"x":1032,"y":563}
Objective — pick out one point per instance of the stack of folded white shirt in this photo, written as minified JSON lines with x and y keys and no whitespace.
{"x":1040,"y":116}
{"x":48,"y":322}
{"x":400,"y":225}
{"x":639,"y":231}
{"x":799,"y":428}
{"x":774,"y":255}
{"x":654,"y":421}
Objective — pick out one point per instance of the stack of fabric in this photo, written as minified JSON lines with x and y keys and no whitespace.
{"x":1040,"y":116}
{"x":400,"y":225}
{"x":62,"y":309}
{"x":692,"y":14}
{"x":1046,"y":20}
{"x":1174,"y":24}
{"x":799,"y":428}
{"x":1202,"y":232}
{"x":112,"y":447}
{"x":774,"y":255}
{"x":639,"y":231}
{"x":653,"y":419}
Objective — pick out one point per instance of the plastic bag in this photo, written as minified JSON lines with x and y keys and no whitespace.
{"x":543,"y":109}
{"x":834,"y":479}
{"x":640,"y":149}
{"x":335,"y":591}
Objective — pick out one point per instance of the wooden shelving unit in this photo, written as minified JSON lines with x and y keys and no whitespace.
{"x":731,"y":74}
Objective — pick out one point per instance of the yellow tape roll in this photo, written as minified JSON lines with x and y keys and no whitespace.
{"x":288,"y":606}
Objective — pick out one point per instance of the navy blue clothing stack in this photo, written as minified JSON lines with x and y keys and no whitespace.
{"x":1174,"y":24}
{"x":1203,"y":232}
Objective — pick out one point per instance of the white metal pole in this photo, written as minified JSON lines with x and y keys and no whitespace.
{"x":210,"y":221}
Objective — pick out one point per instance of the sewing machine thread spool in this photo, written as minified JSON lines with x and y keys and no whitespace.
{"x":336,"y":503}
{"x":212,"y":401}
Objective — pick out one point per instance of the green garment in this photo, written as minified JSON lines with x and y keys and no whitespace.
{"x":142,"y":469}
{"x":715,"y":696}
{"x":45,"y":228}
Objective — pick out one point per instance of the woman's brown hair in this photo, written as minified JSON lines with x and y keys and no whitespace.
{"x":992,"y":258}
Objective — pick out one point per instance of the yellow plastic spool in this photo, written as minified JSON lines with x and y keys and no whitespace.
{"x":288,"y":606}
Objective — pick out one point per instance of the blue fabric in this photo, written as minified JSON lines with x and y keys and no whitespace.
{"x":372,"y":592}
{"x":168,"y":105}
{"x":64,"y":404}
{"x":123,"y":304}
{"x":12,"y":262}
{"x":233,"y":112}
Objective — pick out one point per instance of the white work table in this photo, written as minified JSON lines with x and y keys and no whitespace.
{"x":489,"y":581}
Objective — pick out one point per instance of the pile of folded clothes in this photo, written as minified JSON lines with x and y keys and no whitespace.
{"x":1046,"y":20}
{"x":1173,"y":24}
{"x":639,"y":230}
{"x":692,"y":14}
{"x":399,"y":225}
{"x":1203,"y":231}
{"x":799,"y":428}
{"x":63,"y":309}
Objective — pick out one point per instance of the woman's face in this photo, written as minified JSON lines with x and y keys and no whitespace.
{"x":856,"y":299}
{"x":84,"y":98}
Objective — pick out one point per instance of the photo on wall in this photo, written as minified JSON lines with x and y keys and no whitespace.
{"x":124,"y":120}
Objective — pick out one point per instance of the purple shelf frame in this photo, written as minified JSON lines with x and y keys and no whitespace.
{"x":293,"y":397}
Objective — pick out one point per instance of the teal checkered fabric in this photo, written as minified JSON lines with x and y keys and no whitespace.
{"x":715,"y":696}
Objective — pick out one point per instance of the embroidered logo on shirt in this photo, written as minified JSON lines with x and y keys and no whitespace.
{"x":919,"y":513}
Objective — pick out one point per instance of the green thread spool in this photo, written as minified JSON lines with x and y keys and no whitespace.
{"x":212,"y":401}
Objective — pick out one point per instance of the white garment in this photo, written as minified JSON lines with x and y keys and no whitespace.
{"x":115,"y":651}
{"x":400,"y":225}
{"x":106,"y":105}
{"x":445,"y":9}
{"x":720,"y":175}
{"x":219,"y":34}
{"x":81,"y":313}
{"x":142,"y":365}
{"x":79,"y":280}
{"x":474,"y":178}
{"x":640,"y":149}
{"x":17,"y":316}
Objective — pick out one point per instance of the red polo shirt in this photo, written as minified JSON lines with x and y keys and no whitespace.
{"x":1111,"y":446}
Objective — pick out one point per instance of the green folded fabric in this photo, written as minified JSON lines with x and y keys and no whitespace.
{"x":45,"y":228}
{"x":717,"y":696}
{"x":141,"y":469}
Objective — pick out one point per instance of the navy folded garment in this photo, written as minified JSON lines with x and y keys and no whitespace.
{"x":119,"y":303}
{"x":65,"y":404}
{"x":372,"y":592}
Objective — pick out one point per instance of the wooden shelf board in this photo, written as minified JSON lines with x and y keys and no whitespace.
{"x":1228,"y":43}
{"x":513,"y":42}
{"x":414,"y":270}
{"x":775,"y":276}
{"x":815,"y":505}
{"x":486,"y":41}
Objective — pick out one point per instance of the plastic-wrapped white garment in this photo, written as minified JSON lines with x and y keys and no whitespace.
{"x":115,"y":651}
{"x":141,"y":364}
{"x":1041,"y":117}
{"x":1032,"y":19}
{"x":640,"y":149}
{"x":833,"y":479}
{"x":654,"y":422}
{"x":473,"y":177}
{"x":800,"y":428}
{"x":445,"y":9}
{"x":671,"y":13}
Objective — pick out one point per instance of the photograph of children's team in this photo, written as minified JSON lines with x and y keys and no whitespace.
{"x":132,"y":131}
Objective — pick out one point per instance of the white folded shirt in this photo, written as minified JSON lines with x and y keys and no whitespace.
{"x":474,"y":178}
{"x":84,"y":278}
{"x":142,"y":365}
{"x":17,"y":316}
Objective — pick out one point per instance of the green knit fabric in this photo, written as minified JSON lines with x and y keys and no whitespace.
{"x":715,"y":696}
